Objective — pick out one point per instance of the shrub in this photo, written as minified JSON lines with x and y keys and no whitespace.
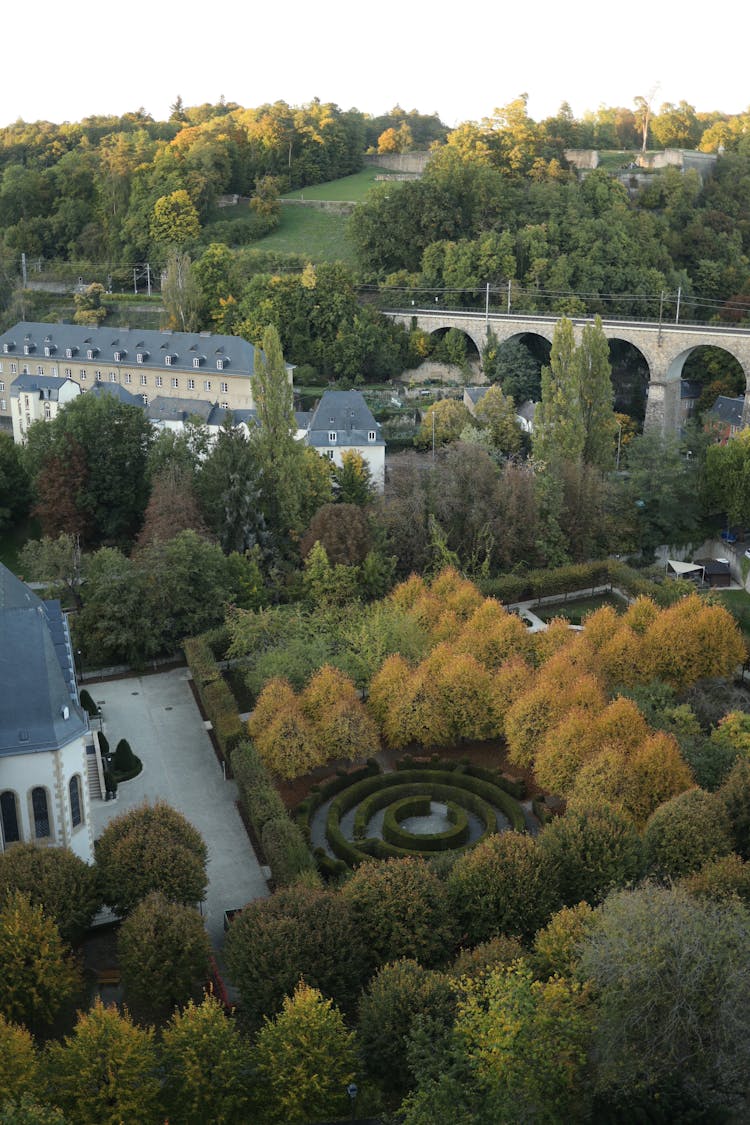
{"x":103,"y":744}
{"x":402,"y":910}
{"x":453,"y":837}
{"x":57,"y":880}
{"x":300,"y":931}
{"x":591,"y":852}
{"x":151,"y":848}
{"x":557,"y":947}
{"x":735,"y":796}
{"x":285,"y":849}
{"x":88,"y":704}
{"x":685,"y":832}
{"x":727,"y":877}
{"x":502,"y":887}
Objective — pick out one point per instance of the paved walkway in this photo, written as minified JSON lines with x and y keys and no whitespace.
{"x":159,"y":717}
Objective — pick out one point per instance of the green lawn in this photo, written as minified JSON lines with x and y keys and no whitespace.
{"x":317,"y":235}
{"x":352,"y":189}
{"x":738,"y":604}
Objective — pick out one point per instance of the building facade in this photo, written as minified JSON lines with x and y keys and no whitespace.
{"x":45,"y":742}
{"x":148,"y":364}
{"x":342,"y":421}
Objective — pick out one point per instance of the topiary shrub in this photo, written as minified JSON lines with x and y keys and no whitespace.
{"x":88,"y":704}
{"x":103,"y":744}
{"x":125,"y":764}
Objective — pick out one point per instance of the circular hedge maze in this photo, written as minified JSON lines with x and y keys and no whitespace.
{"x":419,"y":809}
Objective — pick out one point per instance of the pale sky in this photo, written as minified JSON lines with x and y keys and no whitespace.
{"x":63,"y":62}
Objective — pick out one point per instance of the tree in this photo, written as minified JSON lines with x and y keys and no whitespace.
{"x":341,"y":727}
{"x":643,"y":114}
{"x":401,"y":909}
{"x":19,"y":1065}
{"x":496,"y":412}
{"x":56,"y":562}
{"x":172,"y":508}
{"x":106,"y":1071}
{"x":672,"y":977}
{"x":352,"y":480}
{"x":306,"y":1058}
{"x":442,"y":423}
{"x":728,"y":477}
{"x":90,"y":308}
{"x":685,"y":832}
{"x":662,"y":496}
{"x":151,"y":848}
{"x":502,"y":887}
{"x":181,"y":294}
{"x":735,"y":796}
{"x":174,"y":220}
{"x":206,"y":1066}
{"x":399,"y":994}
{"x":55,"y":879}
{"x":164,"y":954}
{"x":281,"y":733}
{"x":299,"y":932}
{"x":28,"y":1111}
{"x":557,"y":946}
{"x":559,"y":432}
{"x":230,"y":491}
{"x":513,"y":367}
{"x":343,"y":530}
{"x":725,"y":878}
{"x":15,"y":494}
{"x":596,"y":396}
{"x":39,"y":975}
{"x":592,"y":852}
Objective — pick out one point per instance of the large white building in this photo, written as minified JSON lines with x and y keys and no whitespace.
{"x":45,"y":740}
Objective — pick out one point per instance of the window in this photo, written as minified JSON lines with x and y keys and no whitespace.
{"x":40,"y":810}
{"x":128,"y":377}
{"x":9,"y":817}
{"x":47,"y":410}
{"x":113,"y":376}
{"x":26,"y":349}
{"x":3,"y":404}
{"x":329,"y":454}
{"x":175,"y":383}
{"x":332,"y":435}
{"x":206,"y":384}
{"x":13,"y":368}
{"x":145,"y":399}
{"x":68,"y":353}
{"x":371,"y":435}
{"x":219,"y":364}
{"x":139,"y":357}
{"x":225,"y":406}
{"x":196,"y":361}
{"x":82,"y":375}
{"x":118,"y":356}
{"x":191,"y":384}
{"x":75,"y":800}
{"x":39,"y":369}
{"x":25,"y":369}
{"x":68,"y":372}
{"x":225,"y":388}
{"x":159,"y":380}
{"x":144,"y":380}
{"x":2,"y":385}
{"x":89,"y":353}
{"x":98,"y":376}
{"x":47,"y":350}
{"x":168,"y":360}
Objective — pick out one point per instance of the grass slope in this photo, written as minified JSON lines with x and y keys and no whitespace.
{"x":317,"y":235}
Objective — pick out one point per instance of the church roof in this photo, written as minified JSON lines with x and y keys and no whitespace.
{"x":39,"y":707}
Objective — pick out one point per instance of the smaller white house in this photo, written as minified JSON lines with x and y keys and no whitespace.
{"x":343,"y":421}
{"x":45,"y":742}
{"x":35,"y":398}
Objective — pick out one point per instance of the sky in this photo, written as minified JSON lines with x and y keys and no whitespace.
{"x":63,"y":62}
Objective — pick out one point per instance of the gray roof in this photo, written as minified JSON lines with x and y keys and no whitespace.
{"x":219,"y":416}
{"x":46,"y":386}
{"x":690,"y":388}
{"x":727,"y":410}
{"x":115,"y":390}
{"x":165,"y":409}
{"x":475,"y":393}
{"x":36,"y":673}
{"x":236,"y":354}
{"x":527,"y":410}
{"x":346,"y":414}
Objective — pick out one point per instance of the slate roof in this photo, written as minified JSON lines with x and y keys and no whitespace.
{"x":165,"y":409}
{"x":36,"y":673}
{"x":347,"y":414}
{"x":46,"y":386}
{"x":726,"y":410}
{"x":115,"y":390}
{"x":475,"y":393}
{"x":238,"y":355}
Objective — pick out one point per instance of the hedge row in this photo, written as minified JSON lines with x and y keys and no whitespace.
{"x":516,"y":786}
{"x":284,"y":845}
{"x":215,"y":695}
{"x":441,"y":783}
{"x":320,"y":793}
{"x":454,"y":837}
{"x":536,"y":584}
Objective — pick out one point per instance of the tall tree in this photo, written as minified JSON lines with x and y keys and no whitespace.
{"x":596,"y":396}
{"x":39,"y":975}
{"x":181,"y":294}
{"x":559,"y":433}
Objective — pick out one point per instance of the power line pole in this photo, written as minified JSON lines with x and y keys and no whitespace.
{"x":23,"y":267}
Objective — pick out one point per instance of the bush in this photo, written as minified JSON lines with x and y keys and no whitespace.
{"x":57,"y":880}
{"x":125,"y":764}
{"x":151,"y":848}
{"x":88,"y":704}
{"x":285,"y":849}
{"x":592,"y":852}
{"x":685,"y":832}
{"x":486,"y":957}
{"x":103,"y":744}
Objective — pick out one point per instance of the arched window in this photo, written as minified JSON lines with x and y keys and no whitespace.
{"x":9,"y":817}
{"x":75,"y":800}
{"x":41,"y":812}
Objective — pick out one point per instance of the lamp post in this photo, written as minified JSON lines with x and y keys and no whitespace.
{"x":433,"y":433}
{"x":619,"y":444}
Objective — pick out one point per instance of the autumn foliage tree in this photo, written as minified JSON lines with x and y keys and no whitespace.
{"x":55,"y":879}
{"x":39,"y":974}
{"x":19,"y":1063}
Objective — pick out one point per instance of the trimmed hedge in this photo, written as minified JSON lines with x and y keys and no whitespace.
{"x":454,"y":837}
{"x":318,"y":794}
{"x":215,"y":695}
{"x":516,"y":786}
{"x":284,"y":845}
{"x":536,"y":584}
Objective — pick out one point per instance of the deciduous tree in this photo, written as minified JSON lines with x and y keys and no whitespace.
{"x":39,"y":974}
{"x":55,"y":879}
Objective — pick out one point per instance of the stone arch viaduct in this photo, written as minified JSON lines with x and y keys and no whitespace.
{"x":664,"y":347}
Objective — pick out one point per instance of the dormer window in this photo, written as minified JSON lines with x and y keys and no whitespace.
{"x":371,"y":435}
{"x":139,"y":357}
{"x":68,"y":353}
{"x":48,"y":350}
{"x":89,"y":353}
{"x":219,"y":364}
{"x":196,"y":361}
{"x":7,"y":347}
{"x":118,"y":357}
{"x":332,"y":436}
{"x":27,"y":349}
{"x":168,"y":360}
